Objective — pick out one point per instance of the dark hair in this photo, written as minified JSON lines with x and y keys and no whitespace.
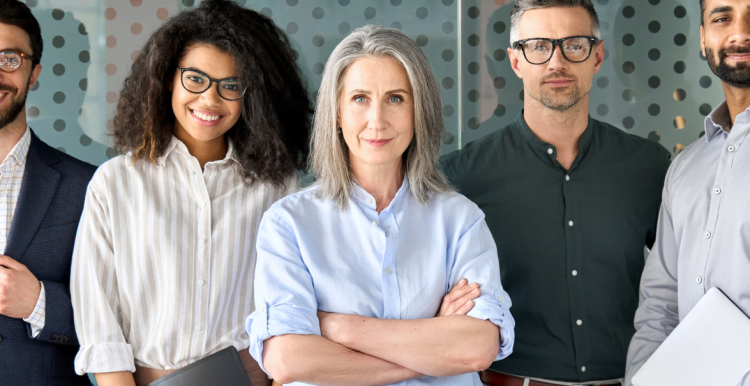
{"x":16,"y":13}
{"x":703,"y":9}
{"x":271,"y":138}
{"x":522,"y":6}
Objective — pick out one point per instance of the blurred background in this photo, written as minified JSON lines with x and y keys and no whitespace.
{"x":654,"y":81}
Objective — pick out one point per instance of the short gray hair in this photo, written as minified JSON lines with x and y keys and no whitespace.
{"x":521,"y":6}
{"x":330,"y":155}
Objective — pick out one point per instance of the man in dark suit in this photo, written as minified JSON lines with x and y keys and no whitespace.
{"x":41,"y":198}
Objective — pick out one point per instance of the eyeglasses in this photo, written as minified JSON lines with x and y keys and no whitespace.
{"x":198,"y":82}
{"x":11,"y":60}
{"x":575,"y":49}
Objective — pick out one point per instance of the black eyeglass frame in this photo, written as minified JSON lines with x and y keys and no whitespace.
{"x":210,"y":82}
{"x":23,"y":57}
{"x":557,"y":42}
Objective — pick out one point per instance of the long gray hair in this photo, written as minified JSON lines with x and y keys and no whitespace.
{"x":330,"y":154}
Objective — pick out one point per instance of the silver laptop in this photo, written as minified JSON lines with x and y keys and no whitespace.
{"x":711,"y":346}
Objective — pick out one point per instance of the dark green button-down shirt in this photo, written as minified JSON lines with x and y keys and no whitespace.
{"x":570,"y":242}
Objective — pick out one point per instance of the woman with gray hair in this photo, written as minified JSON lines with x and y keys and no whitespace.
{"x":353,"y":274}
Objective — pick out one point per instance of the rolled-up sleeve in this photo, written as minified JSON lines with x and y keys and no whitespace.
{"x":284,"y":294}
{"x":94,"y":291}
{"x":476,"y":260}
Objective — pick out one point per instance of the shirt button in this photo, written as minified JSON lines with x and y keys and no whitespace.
{"x":203,"y":240}
{"x":500,"y":298}
{"x":570,"y":223}
{"x":567,"y":178}
{"x":574,"y":273}
{"x":388,"y":271}
{"x":717,"y":190}
{"x":198,"y":328}
{"x":730,"y":149}
{"x":203,"y":204}
{"x":375,"y":223}
{"x":708,"y":235}
{"x":262,"y":307}
{"x":579,"y":322}
{"x":699,"y":280}
{"x":550,"y":151}
{"x":369,"y":200}
{"x":201,"y":282}
{"x":583,"y":369}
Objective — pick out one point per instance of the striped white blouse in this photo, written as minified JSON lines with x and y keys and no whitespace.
{"x":164,"y":261}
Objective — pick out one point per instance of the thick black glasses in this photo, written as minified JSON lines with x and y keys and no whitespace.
{"x":11,"y":60}
{"x":197,"y":82}
{"x":575,"y":49}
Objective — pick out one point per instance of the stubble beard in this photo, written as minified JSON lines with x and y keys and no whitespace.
{"x":737,"y":76}
{"x":560,"y":103}
{"x":17,"y":104}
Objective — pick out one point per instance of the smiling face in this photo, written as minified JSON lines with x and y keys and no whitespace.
{"x":204,"y":117}
{"x":15,"y":85}
{"x":558,"y":84}
{"x":376,"y":112}
{"x":725,"y":40}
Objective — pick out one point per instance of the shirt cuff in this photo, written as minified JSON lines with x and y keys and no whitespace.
{"x":106,"y":357}
{"x":37,"y":317}
{"x":281,"y":319}
{"x":496,"y":310}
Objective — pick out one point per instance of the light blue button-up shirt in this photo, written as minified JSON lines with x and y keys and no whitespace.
{"x":703,"y":235}
{"x":396,"y":264}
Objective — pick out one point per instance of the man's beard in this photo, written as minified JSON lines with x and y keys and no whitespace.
{"x":737,"y":76}
{"x":17,"y":104}
{"x":560,"y":104}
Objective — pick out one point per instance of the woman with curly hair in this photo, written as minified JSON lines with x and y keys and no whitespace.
{"x":212,"y":123}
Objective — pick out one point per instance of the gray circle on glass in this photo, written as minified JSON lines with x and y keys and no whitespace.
{"x":602,"y":109}
{"x":520,"y":95}
{"x":681,"y":94}
{"x":602,"y":82}
{"x":110,"y":152}
{"x":318,"y":41}
{"x":240,"y":2}
{"x":85,"y":140}
{"x":602,"y":2}
{"x":448,"y":138}
{"x":396,"y":25}
{"x":422,"y":40}
{"x":654,"y":82}
{"x":628,"y":95}
{"x":499,"y":27}
{"x":448,"y":55}
{"x":58,"y":41}
{"x":499,"y":111}
{"x":603,"y":26}
{"x":58,"y":14}
{"x":396,"y":3}
{"x":61,"y":149}
{"x":654,"y":109}
{"x":654,"y":2}
{"x":499,"y":54}
{"x":33,"y":112}
{"x":58,"y":125}
{"x":59,"y":97}
{"x":473,"y":95}
{"x":654,"y":136}
{"x":32,"y":3}
{"x":473,"y":68}
{"x":318,"y":68}
{"x":422,"y":12}
{"x":58,"y":69}
{"x":343,"y":3}
{"x":318,"y":13}
{"x":473,"y":12}
{"x":267,"y":12}
{"x":680,"y":39}
{"x":473,"y":40}
{"x":84,"y":56}
{"x":628,"y":39}
{"x":448,"y":2}
{"x":628,"y":122}
{"x":447,"y":27}
{"x":705,"y":109}
{"x":82,"y":29}
{"x":188,"y":3}
{"x":499,"y":82}
{"x":705,"y":82}
{"x":473,"y":123}
{"x":292,"y":3}
{"x":36,"y":86}
{"x":654,"y":26}
{"x":606,"y":54}
{"x":628,"y":67}
{"x":292,"y":28}
{"x":680,"y":12}
{"x":654,"y":54}
{"x":448,"y":110}
{"x":370,"y":13}
{"x":448,"y":82}
{"x":344,"y":28}
{"x":83,"y":84}
{"x":628,"y":12}
{"x":680,"y":67}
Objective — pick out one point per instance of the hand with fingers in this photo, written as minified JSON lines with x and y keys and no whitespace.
{"x":19,"y":289}
{"x":460,"y":299}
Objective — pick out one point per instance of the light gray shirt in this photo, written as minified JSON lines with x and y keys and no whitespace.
{"x":703,"y":235}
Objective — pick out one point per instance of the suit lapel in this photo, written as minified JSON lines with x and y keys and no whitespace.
{"x":37,"y":190}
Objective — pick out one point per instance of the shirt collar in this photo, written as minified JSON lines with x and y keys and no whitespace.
{"x":178,"y":147}
{"x":548,"y":151}
{"x":718,"y":120}
{"x":366,"y":199}
{"x":20,"y":149}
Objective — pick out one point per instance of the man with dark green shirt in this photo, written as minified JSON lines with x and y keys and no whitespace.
{"x":570,"y":201}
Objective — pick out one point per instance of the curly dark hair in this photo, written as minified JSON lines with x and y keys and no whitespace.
{"x":16,"y":13}
{"x":271,"y":138}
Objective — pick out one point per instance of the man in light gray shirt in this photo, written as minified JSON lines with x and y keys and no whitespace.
{"x":703,"y":234}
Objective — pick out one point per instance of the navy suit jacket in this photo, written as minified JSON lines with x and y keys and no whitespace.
{"x":41,"y":237}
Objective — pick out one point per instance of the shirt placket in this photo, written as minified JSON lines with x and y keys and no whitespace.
{"x":6,"y":184}
{"x":203,"y":245}
{"x":391,"y":296}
